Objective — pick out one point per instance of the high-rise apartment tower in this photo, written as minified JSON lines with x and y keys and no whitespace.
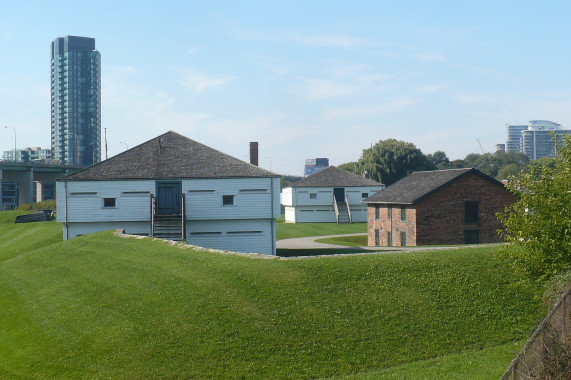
{"x":537,"y":141}
{"x":76,"y":100}
{"x":513,"y":134}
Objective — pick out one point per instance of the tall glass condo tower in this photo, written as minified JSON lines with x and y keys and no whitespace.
{"x":76,"y":101}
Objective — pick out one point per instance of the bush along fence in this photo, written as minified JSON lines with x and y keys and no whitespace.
{"x":547,"y":354}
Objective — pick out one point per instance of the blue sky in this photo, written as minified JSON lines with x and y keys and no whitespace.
{"x":305,"y":79}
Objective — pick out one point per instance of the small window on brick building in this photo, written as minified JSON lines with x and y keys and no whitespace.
{"x":389,"y":238}
{"x":403,"y":238}
{"x":377,"y":237}
{"x":377,"y":212}
{"x":402,"y":214}
{"x":471,"y":212}
{"x":364,"y":195}
{"x":389,"y":212}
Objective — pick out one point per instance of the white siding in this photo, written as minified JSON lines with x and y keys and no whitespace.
{"x":72,"y":230}
{"x":315,"y":214}
{"x":359,"y":214}
{"x":303,"y":196}
{"x":60,"y":202}
{"x":287,"y":197}
{"x":253,"y":198}
{"x":319,"y":209}
{"x":355,"y":194}
{"x":290,"y":214}
{"x":252,"y":236}
{"x":84,"y":201}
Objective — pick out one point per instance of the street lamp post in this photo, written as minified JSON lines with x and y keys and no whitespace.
{"x":7,"y":126}
{"x":76,"y":147}
{"x":126,"y":146}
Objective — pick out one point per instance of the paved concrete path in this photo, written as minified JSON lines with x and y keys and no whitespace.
{"x":310,"y":242}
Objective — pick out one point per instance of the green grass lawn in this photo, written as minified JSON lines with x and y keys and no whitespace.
{"x":486,"y":363}
{"x":293,"y":230}
{"x":101,"y":306}
{"x":24,"y":237}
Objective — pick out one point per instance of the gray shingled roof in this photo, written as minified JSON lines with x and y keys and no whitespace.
{"x":169,"y":156}
{"x":332,"y":176}
{"x":418,"y":185}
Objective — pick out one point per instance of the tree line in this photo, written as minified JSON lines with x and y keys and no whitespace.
{"x":390,"y":160}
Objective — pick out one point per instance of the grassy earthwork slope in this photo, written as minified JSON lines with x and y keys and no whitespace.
{"x":100,"y":306}
{"x":20,"y":238}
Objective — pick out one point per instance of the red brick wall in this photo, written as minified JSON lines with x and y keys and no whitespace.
{"x":440,"y":219}
{"x":393,"y":225}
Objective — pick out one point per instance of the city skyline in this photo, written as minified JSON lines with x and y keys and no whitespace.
{"x":319,"y":79}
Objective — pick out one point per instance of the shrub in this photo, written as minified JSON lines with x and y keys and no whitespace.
{"x":538,"y":224}
{"x":49,"y":204}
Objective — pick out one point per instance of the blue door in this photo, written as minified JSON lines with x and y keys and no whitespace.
{"x":169,"y":196}
{"x":339,"y":193}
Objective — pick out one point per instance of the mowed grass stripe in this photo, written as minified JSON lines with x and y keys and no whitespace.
{"x":127,"y":308}
{"x":16,"y":239}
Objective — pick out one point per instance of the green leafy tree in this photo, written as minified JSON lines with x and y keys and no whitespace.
{"x":493,"y":164}
{"x":439,"y":160}
{"x":538,"y":225}
{"x":507,"y":171}
{"x":350,"y":167}
{"x":390,"y":160}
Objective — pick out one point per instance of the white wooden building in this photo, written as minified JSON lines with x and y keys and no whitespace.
{"x":331,"y":195}
{"x":174,"y":188}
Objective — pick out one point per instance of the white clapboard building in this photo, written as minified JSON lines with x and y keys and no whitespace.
{"x":174,"y":188}
{"x":331,"y":195}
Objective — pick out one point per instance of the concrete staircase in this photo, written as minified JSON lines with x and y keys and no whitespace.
{"x":168,"y":227}
{"x":343,"y":213}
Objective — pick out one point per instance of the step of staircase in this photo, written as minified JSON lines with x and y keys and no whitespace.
{"x":343,"y":217}
{"x":168,"y":227}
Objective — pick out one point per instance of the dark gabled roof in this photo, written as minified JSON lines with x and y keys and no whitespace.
{"x":169,"y":156}
{"x":332,"y":176}
{"x":419,"y":185}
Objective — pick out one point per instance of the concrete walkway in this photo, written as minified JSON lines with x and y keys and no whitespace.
{"x":311,"y":243}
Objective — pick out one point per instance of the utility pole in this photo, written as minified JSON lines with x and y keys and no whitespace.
{"x":14,"y":129}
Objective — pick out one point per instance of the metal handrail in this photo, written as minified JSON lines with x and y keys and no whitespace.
{"x":336,"y":209}
{"x":348,"y":208}
{"x":152,"y":215}
{"x":183,"y":221}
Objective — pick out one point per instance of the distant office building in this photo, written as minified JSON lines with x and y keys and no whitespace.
{"x":513,"y":135}
{"x":500,"y":147}
{"x":537,"y":140}
{"x":75,"y":100}
{"x":30,"y":154}
{"x":313,"y":165}
{"x":12,"y":155}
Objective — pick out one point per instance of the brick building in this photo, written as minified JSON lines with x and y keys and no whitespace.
{"x":456,"y":206}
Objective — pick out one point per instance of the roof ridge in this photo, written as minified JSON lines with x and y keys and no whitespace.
{"x":169,"y":156}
